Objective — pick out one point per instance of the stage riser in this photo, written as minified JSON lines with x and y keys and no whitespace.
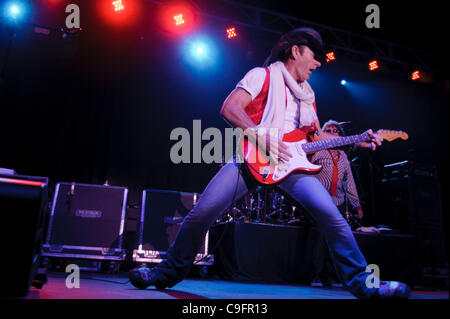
{"x":283,"y":254}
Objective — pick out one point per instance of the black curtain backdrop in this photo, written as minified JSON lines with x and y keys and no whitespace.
{"x":100,"y":105}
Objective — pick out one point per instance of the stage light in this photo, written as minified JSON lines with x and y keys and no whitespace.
{"x":118,"y":13}
{"x":14,"y":10}
{"x":373,"y":65}
{"x":200,"y":53}
{"x":415,"y":75}
{"x":330,"y":57}
{"x":343,"y":82}
{"x":199,"y":50}
{"x":179,"y":20}
{"x":118,"y":5}
{"x":231,"y":32}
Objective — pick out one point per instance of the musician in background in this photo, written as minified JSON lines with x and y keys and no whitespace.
{"x":277,"y":97}
{"x":336,"y":176}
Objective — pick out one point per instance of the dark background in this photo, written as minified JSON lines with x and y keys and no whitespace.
{"x":100,"y":105}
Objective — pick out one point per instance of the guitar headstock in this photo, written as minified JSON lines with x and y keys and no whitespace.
{"x":390,"y":135}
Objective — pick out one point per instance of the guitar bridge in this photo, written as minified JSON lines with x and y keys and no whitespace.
{"x":266,"y":172}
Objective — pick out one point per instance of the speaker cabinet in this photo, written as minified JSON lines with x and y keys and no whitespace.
{"x":409,"y":200}
{"x":23,"y":203}
{"x":162,"y":213}
{"x":87,"y":221}
{"x":408,"y":195}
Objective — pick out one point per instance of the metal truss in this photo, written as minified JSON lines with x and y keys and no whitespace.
{"x":356,"y":46}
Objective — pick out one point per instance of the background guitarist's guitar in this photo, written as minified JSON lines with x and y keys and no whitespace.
{"x":266,"y":172}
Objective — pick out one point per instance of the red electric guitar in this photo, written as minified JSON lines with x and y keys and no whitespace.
{"x":297,"y":142}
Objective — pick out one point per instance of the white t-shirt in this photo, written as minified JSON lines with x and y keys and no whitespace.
{"x":253,"y":82}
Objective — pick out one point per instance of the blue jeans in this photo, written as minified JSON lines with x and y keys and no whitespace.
{"x":229,"y":184}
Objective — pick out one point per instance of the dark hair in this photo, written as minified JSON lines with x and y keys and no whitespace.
{"x":301,"y":36}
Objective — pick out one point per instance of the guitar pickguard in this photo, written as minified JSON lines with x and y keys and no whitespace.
{"x":299,"y":161}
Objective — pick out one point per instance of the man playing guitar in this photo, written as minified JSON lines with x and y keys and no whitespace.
{"x":276,"y":97}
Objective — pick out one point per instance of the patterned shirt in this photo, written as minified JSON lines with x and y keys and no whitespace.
{"x":344,"y":176}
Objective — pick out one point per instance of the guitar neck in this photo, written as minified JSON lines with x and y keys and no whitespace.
{"x":335,"y":142}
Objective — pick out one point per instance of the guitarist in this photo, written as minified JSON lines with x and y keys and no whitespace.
{"x":277,"y":96}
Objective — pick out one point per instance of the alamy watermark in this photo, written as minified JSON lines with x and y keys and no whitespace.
{"x":373,"y":279}
{"x":73,"y":279}
{"x":73,"y":19}
{"x":373,"y":19}
{"x":189,"y":149}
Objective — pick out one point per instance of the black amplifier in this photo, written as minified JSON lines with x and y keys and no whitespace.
{"x":23,"y":206}
{"x":410,"y":201}
{"x":87,"y":221}
{"x":162,"y":213}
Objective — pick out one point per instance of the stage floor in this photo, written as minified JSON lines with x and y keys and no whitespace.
{"x":104,"y":286}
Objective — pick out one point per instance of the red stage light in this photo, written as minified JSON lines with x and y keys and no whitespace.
{"x":54,"y":1}
{"x":179,"y":20}
{"x":415,"y":75}
{"x":118,"y":5}
{"x":373,"y":65}
{"x":330,"y":56}
{"x":119,"y":13}
{"x":231,"y":32}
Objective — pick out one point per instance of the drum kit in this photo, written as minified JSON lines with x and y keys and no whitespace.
{"x":265,"y":205}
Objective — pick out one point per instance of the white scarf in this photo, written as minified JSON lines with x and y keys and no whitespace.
{"x":274,"y":112}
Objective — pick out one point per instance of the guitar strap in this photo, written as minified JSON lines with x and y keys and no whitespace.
{"x":255,"y":109}
{"x":335,"y":155}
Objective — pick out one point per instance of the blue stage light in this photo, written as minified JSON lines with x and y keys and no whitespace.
{"x":199,"y":50}
{"x":14,"y":10}
{"x":343,"y":82}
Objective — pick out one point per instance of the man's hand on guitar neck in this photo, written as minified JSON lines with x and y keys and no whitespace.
{"x":375,"y":140}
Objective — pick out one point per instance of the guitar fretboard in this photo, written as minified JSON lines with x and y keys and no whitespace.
{"x":335,"y":142}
